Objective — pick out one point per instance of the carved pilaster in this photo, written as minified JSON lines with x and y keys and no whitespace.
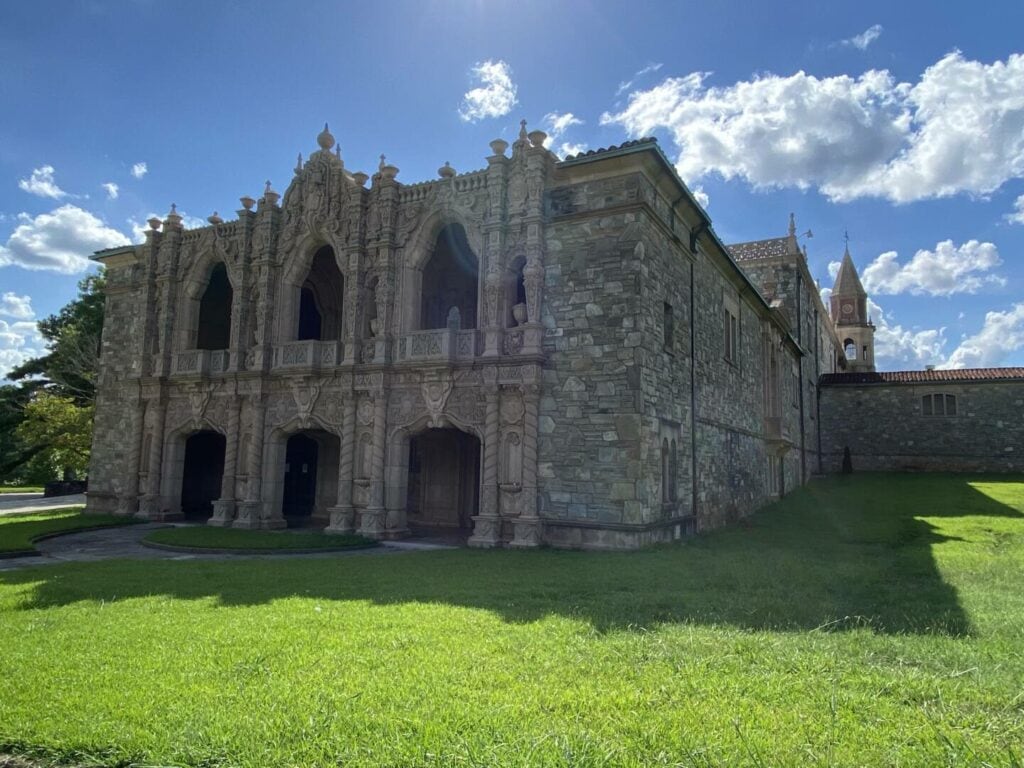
{"x":128,"y":503}
{"x":149,"y":504}
{"x":342,"y":513}
{"x":527,"y":526}
{"x":249,"y":510}
{"x":374,"y":519}
{"x":224,"y":507}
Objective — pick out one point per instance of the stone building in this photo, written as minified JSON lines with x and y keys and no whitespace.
{"x":537,"y":352}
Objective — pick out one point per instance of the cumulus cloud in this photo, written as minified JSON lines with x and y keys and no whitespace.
{"x":1017,"y":217}
{"x":112,"y":189}
{"x":701,"y":195}
{"x":493,"y":97}
{"x":865,"y":38}
{"x":18,"y":307}
{"x":59,"y":241}
{"x":626,"y":85}
{"x":139,"y":170}
{"x":42,"y":183}
{"x":959,"y":128}
{"x":902,"y":348}
{"x":944,"y":271}
{"x":1001,"y":334}
{"x":19,"y":340}
{"x":556,"y":125}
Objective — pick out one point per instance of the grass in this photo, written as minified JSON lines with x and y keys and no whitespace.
{"x":17,"y":532}
{"x":21,"y":489}
{"x":873,"y":620}
{"x":205,"y":537}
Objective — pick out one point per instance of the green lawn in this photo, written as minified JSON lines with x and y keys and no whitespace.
{"x":873,"y":620}
{"x":17,"y":532}
{"x":205,"y":537}
{"x":21,"y":489}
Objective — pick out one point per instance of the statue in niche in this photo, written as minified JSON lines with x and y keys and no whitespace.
{"x":512,"y":460}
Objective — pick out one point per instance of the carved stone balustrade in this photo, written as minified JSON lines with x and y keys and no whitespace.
{"x":442,"y":344}
{"x":308,"y":355}
{"x":201,"y":362}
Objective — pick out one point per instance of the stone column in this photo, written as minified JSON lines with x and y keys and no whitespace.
{"x":224,"y":507}
{"x":487,"y":525}
{"x":128,"y":503}
{"x":342,"y":513}
{"x":374,"y":519}
{"x":527,"y":525}
{"x":149,"y":504}
{"x":249,"y":510}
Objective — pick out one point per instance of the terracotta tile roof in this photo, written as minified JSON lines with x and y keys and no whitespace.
{"x":759,"y":249}
{"x":612,"y":148}
{"x":924,"y":377}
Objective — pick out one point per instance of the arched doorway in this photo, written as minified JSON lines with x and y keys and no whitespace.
{"x":309,"y":479}
{"x":450,"y":280}
{"x":443,"y":491}
{"x":201,"y":474}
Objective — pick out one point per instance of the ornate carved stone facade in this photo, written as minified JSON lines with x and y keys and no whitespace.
{"x":532,"y":352}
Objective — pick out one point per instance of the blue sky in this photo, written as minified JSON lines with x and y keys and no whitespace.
{"x":902,"y":123}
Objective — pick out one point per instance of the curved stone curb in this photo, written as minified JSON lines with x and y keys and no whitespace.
{"x":55,"y":535}
{"x":253,"y":551}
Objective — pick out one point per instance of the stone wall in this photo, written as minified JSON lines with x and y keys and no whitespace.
{"x":885,"y":429}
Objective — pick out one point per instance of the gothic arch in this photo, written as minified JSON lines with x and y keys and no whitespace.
{"x":173,"y":464}
{"x":194,"y":285}
{"x":274,"y":457}
{"x":294,"y":276}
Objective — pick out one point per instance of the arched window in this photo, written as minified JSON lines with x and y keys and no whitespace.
{"x":322,"y":299}
{"x":214,"y":329}
{"x":450,"y":279}
{"x":850,"y":349}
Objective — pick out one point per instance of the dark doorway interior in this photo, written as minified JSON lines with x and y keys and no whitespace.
{"x":444,"y":479}
{"x":214,"y":330}
{"x":301,"y":455}
{"x":450,"y":280}
{"x":201,"y":478}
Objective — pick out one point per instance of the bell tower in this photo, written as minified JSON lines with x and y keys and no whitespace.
{"x":849,"y":305}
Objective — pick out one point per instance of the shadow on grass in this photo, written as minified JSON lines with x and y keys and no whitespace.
{"x":839,"y":554}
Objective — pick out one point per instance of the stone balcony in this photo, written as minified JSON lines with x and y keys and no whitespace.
{"x":441,"y":344}
{"x":201,"y":362}
{"x":308,"y":355}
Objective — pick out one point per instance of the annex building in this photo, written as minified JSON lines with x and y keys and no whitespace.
{"x":537,"y":352}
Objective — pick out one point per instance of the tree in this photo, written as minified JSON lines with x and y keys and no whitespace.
{"x":46,"y":416}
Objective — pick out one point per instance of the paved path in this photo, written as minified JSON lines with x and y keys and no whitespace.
{"x":125,"y":542}
{"x":18,"y":503}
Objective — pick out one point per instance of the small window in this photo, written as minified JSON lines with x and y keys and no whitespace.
{"x":669,"y":322}
{"x":938,"y":405}
{"x":731,"y":329}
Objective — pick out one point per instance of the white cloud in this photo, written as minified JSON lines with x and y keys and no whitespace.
{"x":556,"y":125}
{"x":865,"y":38}
{"x":701,"y":195}
{"x":567,"y":148}
{"x":1017,"y":217}
{"x":1001,"y":334}
{"x":41,"y":183}
{"x":139,"y":170}
{"x":960,"y":128}
{"x":112,"y":189}
{"x":494,"y":97}
{"x":18,"y":307}
{"x":947,"y":270}
{"x":833,"y":269}
{"x":19,"y":341}
{"x":60,"y":241}
{"x":625,"y":86}
{"x":902,"y":348}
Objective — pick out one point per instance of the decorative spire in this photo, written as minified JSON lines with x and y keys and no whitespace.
{"x":325,"y":139}
{"x":522,"y":131}
{"x":298,"y":165}
{"x":792,"y":225}
{"x":846,"y":239}
{"x":380,"y":167}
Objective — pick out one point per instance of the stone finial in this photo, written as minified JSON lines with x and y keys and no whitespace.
{"x":359,"y":178}
{"x":173,"y":217}
{"x":537,"y":138}
{"x":247,"y":202}
{"x":792,"y":225}
{"x":215,"y":219}
{"x":498,"y":147}
{"x":298,"y":164}
{"x":269,"y":195}
{"x":154,"y":223}
{"x":381,"y":164}
{"x":389,"y":171}
{"x":522,"y":130}
{"x":325,"y":139}
{"x":446,"y":171}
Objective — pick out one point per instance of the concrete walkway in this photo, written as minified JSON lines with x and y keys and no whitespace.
{"x":126,"y":542}
{"x":18,"y":503}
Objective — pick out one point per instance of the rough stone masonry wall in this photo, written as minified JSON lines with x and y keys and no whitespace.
{"x":116,"y":387}
{"x":589,"y":464}
{"x":732,"y":456}
{"x":885,"y":429}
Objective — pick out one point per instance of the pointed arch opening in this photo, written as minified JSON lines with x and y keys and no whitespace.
{"x":321,"y":299}
{"x":213,"y":330}
{"x":450,"y":282}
